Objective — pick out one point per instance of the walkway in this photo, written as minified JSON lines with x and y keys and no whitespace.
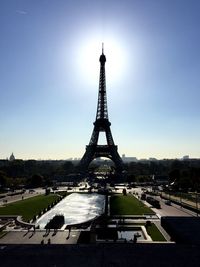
{"x":31,"y":237}
{"x":9,"y":199}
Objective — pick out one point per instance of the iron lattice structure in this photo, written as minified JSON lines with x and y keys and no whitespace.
{"x":101,"y":124}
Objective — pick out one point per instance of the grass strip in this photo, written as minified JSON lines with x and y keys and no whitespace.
{"x":127,"y":205}
{"x":2,"y":234}
{"x":154,"y":233}
{"x":29,"y":207}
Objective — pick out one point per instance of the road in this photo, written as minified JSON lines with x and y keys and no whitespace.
{"x":27,"y":194}
{"x":193,"y":204}
{"x":166,"y":210}
{"x":172,"y":210}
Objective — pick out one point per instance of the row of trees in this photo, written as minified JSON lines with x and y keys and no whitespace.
{"x":33,"y":181}
{"x":185,"y":179}
{"x":32,"y":173}
{"x":182,"y":174}
{"x":21,"y":168}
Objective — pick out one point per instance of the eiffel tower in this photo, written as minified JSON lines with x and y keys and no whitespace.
{"x":101,"y":124}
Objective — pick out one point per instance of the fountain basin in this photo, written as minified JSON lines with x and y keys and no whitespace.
{"x":76,"y":208}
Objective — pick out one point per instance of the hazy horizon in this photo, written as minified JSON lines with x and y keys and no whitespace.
{"x":77,"y":158}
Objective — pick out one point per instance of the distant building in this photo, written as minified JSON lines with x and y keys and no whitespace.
{"x":129,"y":159}
{"x":152,"y":159}
{"x":144,"y":161}
{"x":12,"y":157}
{"x":186,"y":157}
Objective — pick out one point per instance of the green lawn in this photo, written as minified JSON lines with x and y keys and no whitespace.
{"x":127,"y":205}
{"x":2,"y":234}
{"x":29,"y":207}
{"x":154,"y":233}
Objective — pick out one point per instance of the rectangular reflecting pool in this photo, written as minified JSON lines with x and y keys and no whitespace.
{"x":76,"y":208}
{"x":129,"y":235}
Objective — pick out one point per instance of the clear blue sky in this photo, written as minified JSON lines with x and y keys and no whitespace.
{"x":49,"y":70}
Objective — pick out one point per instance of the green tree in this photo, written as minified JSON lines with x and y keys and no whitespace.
{"x":3,"y":180}
{"x":68,"y":167}
{"x":37,"y":180}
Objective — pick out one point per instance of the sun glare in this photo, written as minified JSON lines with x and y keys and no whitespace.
{"x":89,"y":54}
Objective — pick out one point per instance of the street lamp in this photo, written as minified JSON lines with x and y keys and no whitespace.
{"x":197,"y":203}
{"x":180,"y":200}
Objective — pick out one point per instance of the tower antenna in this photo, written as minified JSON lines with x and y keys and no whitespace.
{"x":102,"y":48}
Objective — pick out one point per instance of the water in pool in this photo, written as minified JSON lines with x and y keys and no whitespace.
{"x":76,"y":208}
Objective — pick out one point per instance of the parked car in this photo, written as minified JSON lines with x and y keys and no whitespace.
{"x":31,"y":190}
{"x":168,"y":202}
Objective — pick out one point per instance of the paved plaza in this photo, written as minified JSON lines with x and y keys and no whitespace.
{"x":39,"y":237}
{"x":13,"y":198}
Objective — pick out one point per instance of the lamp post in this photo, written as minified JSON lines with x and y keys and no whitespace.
{"x":197,"y":203}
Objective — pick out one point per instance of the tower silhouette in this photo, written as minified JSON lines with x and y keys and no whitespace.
{"x":101,"y":124}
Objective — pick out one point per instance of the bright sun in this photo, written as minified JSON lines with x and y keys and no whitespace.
{"x":88,"y":59}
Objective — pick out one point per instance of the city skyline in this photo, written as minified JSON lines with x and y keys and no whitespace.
{"x":49,"y":76}
{"x":124,"y":157}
